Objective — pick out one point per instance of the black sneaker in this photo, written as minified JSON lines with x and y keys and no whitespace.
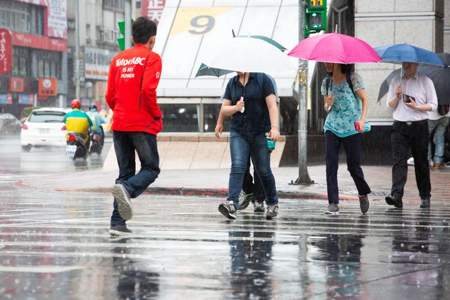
{"x":392,"y":200}
{"x":364,"y":203}
{"x":244,"y":200}
{"x":258,"y":206}
{"x":228,"y":210}
{"x":119,"y":230}
{"x":425,"y":203}
{"x":272,"y":211}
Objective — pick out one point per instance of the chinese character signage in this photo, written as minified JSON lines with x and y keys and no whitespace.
{"x":26,"y":99}
{"x":16,"y":85}
{"x":5,"y":51}
{"x":5,"y":99}
{"x":47,"y":87}
{"x":57,"y":18}
{"x":97,"y":63}
{"x":153,"y":9}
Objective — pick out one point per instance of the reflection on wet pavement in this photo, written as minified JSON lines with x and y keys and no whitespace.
{"x":39,"y":160}
{"x":57,"y":246}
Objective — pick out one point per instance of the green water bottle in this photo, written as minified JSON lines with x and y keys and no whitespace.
{"x":270,"y":143}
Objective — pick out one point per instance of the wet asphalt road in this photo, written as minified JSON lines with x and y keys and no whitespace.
{"x":14,"y":161}
{"x":56,"y":245}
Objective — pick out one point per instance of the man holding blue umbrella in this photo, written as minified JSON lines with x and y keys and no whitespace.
{"x":411,"y":96}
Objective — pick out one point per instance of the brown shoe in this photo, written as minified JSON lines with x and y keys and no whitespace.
{"x":437,"y":166}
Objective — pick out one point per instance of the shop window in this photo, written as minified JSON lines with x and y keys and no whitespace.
{"x":49,"y":64}
{"x":211,"y":114}
{"x":180,"y":117}
{"x":115,"y":5}
{"x":21,"y":62}
{"x":22,"y":17}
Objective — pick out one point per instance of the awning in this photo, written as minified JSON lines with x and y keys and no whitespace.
{"x":188,"y":28}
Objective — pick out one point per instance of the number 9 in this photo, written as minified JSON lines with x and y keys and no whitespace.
{"x":202,"y":22}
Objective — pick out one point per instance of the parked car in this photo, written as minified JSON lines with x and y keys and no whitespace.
{"x":44,"y":127}
{"x":9,"y":125}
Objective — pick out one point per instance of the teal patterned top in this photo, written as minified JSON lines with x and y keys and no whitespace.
{"x":345,"y":109}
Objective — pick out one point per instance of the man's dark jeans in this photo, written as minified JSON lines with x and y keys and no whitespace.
{"x":414,"y":136}
{"x":126,"y":144}
{"x":352,"y":147}
{"x":242,"y":148}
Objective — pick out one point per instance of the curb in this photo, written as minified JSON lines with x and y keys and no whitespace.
{"x":210,"y":192}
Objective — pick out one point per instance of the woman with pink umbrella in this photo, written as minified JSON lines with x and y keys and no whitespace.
{"x":345,"y":100}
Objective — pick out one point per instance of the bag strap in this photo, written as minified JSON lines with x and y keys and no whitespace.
{"x":328,"y":85}
{"x":350,"y":84}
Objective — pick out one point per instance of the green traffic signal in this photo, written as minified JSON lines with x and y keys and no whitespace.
{"x":121,"y":37}
{"x":315,"y":16}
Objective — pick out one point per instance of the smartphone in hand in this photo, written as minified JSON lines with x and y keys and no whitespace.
{"x":408,"y":98}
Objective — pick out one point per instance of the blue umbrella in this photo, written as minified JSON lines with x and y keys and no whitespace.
{"x":399,"y":53}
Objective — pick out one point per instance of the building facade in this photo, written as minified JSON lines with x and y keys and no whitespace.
{"x":33,"y":47}
{"x":97,"y":45}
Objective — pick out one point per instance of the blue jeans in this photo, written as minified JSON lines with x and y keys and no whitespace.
{"x":243,"y":147}
{"x":439,"y":127}
{"x":126,"y":144}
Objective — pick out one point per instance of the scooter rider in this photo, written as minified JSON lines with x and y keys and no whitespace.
{"x":78,"y":122}
{"x":97,"y":121}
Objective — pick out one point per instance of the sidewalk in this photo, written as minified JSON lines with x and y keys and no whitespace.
{"x":214,"y":182}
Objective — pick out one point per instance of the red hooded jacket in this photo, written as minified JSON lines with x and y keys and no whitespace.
{"x":132,"y":81}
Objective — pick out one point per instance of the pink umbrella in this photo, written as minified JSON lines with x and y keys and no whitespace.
{"x":335,"y":48}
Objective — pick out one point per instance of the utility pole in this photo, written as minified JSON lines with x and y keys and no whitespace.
{"x":302,"y":81}
{"x":77,"y":50}
{"x":128,"y":23}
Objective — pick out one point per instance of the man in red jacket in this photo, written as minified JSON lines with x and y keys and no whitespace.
{"x":133,"y":78}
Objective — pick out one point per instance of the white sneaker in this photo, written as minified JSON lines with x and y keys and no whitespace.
{"x":410,"y":161}
{"x":123,"y":201}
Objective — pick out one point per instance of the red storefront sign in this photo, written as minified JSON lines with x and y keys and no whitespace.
{"x":47,"y":87}
{"x":153,"y":9}
{"x":38,"y":42}
{"x":16,"y":85}
{"x":5,"y":51}
{"x":36,"y":2}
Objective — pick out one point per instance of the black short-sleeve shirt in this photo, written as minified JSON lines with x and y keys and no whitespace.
{"x":255,"y":119}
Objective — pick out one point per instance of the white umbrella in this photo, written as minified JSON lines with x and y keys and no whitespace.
{"x":246,"y":54}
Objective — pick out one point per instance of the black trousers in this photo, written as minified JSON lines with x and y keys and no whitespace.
{"x":352,"y":146}
{"x":406,"y":139}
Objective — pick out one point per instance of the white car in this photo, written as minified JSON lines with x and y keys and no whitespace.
{"x":44,"y":127}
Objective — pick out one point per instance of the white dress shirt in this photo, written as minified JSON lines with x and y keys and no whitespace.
{"x":435,"y":115}
{"x":420,"y":87}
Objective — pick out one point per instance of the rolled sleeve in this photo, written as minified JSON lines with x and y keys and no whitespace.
{"x":431,"y":94}
{"x":391,"y":92}
{"x":268,"y":86}
{"x":227,"y":94}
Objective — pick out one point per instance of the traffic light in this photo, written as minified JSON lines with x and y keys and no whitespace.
{"x":121,"y":37}
{"x":315,"y":16}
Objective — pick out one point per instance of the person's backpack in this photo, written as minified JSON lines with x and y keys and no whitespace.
{"x":349,"y":80}
{"x":443,"y":109}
